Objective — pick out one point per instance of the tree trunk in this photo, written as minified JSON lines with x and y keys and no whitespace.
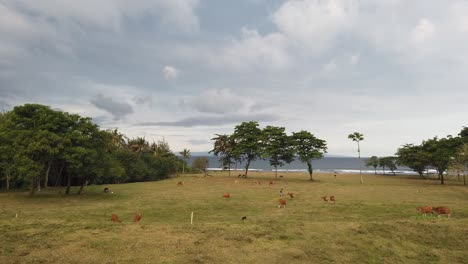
{"x":46,"y":180}
{"x":229,"y":168}
{"x":33,"y":186}
{"x":311,"y":170}
{"x":83,"y":184}
{"x":59,"y":177}
{"x":183,"y":167}
{"x":247,"y":168}
{"x":276,"y":172}
{"x":464,"y":178}
{"x":441,"y":176}
{"x":7,"y":181}
{"x":375,"y":170}
{"x":67,"y":191}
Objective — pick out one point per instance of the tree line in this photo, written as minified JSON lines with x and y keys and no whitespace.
{"x":448,"y":154}
{"x":42,"y":147}
{"x":249,"y":143}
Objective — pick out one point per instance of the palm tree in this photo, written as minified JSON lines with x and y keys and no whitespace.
{"x":138,"y":145}
{"x":223,"y":147}
{"x":185,"y":155}
{"x":118,"y":139}
{"x":356,"y":136}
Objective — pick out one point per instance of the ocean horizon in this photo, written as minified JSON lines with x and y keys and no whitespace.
{"x":324,"y":165}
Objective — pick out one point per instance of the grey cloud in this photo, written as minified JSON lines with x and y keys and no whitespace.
{"x":117,"y":109}
{"x":214,"y":120}
{"x":141,"y":100}
{"x":198,"y":141}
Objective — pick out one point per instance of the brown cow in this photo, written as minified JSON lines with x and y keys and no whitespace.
{"x":443,"y":210}
{"x":332,"y":199}
{"x":181,"y":183}
{"x":425,"y":210}
{"x":282,"y":202}
{"x":227,"y":195}
{"x":115,"y":218}
{"x":325,"y":198}
{"x":137,"y":217}
{"x":291,"y":194}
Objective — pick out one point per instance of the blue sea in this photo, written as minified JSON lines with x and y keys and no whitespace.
{"x":326,"y":164}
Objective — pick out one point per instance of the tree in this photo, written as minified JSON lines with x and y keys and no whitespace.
{"x":247,"y":137}
{"x":459,"y":163}
{"x":357,"y":137}
{"x":414,"y":157}
{"x":439,"y":152}
{"x":373,"y":162}
{"x":201,"y":164}
{"x":277,"y":147}
{"x":139,"y":145}
{"x":185,"y":155}
{"x":223,"y":147}
{"x":389,"y":162}
{"x":308,"y":148}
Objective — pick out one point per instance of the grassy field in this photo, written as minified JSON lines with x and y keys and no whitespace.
{"x":371,"y":223}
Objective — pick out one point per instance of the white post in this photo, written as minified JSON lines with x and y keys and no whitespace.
{"x":191,"y":219}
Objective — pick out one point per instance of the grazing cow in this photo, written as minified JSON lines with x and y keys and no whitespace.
{"x":425,"y":210}
{"x":291,"y":194}
{"x":106,"y":190}
{"x":227,"y":195}
{"x":115,"y":218}
{"x":244,"y":218}
{"x":282,"y":202}
{"x":443,"y":210}
{"x":181,"y":183}
{"x":325,"y":198}
{"x":332,"y":199}
{"x":137,"y":217}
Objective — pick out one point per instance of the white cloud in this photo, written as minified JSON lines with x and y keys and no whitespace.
{"x":313,"y":24}
{"x":218,"y":101}
{"x":423,"y":31}
{"x":256,"y":51}
{"x":169,"y":72}
{"x":330,"y":67}
{"x":354,"y":59}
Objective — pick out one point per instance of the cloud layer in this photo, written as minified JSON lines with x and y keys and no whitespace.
{"x":394,"y":70}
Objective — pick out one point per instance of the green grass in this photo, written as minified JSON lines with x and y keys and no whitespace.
{"x":372,"y":223}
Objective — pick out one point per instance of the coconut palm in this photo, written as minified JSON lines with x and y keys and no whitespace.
{"x":357,"y":137}
{"x":185,"y":155}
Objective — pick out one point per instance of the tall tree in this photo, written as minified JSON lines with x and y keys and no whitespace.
{"x":139,"y":145}
{"x":308,"y":148}
{"x":439,"y":153}
{"x":358,"y":137}
{"x":224,"y":147}
{"x":185,"y":155}
{"x":373,"y":162}
{"x":388,"y":162}
{"x":201,"y":164}
{"x":459,"y":163}
{"x":248,"y":138}
{"x":414,"y":157}
{"x":277,"y":147}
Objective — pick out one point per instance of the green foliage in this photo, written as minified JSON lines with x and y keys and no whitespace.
{"x":389,"y":163}
{"x":200,"y":164}
{"x":248,"y":138}
{"x":185,"y":155}
{"x":413,"y":157}
{"x":373,"y":162}
{"x":41,"y":145}
{"x":308,"y":148}
{"x":277,"y":147}
{"x":224,"y":146}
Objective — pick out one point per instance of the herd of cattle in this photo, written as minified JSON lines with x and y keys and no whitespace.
{"x":424,"y":210}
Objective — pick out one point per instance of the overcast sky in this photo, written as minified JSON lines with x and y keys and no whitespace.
{"x":184,"y":70}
